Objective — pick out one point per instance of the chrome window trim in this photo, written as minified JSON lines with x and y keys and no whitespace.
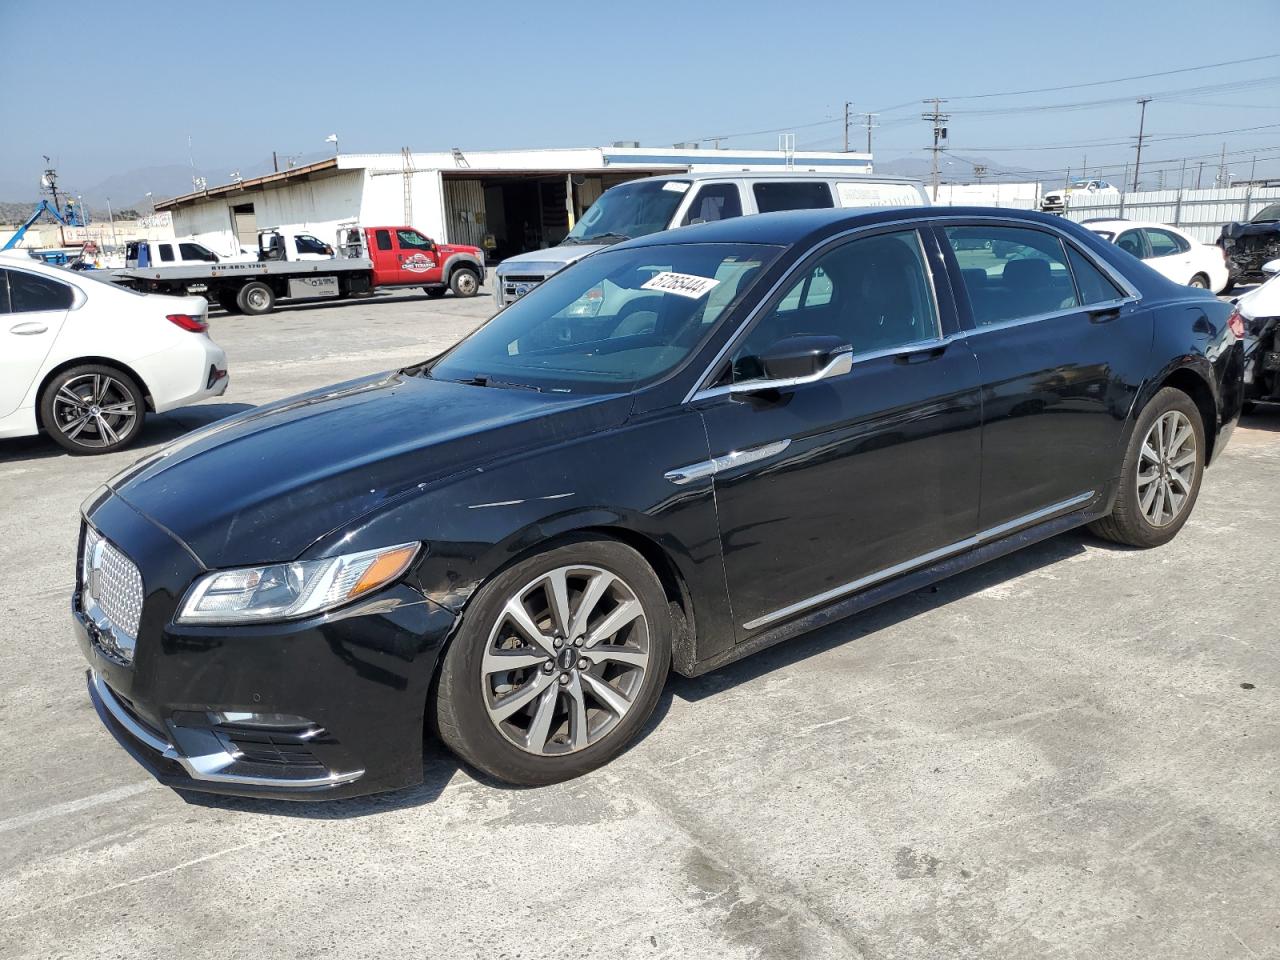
{"x":700,"y":390}
{"x":991,"y":533}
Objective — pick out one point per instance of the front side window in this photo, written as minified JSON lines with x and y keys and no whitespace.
{"x":873,"y":294}
{"x":194,"y":251}
{"x":715,"y":201}
{"x":792,"y":195}
{"x":383,"y":239}
{"x":412,"y":240}
{"x":29,"y":293}
{"x":1165,"y":244}
{"x":615,"y":321}
{"x":634,"y":209}
{"x":1010,"y":273}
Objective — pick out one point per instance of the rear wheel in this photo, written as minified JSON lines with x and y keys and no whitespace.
{"x":435,"y":293}
{"x":465,"y":282}
{"x":558,"y":663}
{"x":227,"y":301}
{"x":1200,"y":281}
{"x":92,"y":409}
{"x":256,"y":298}
{"x":1161,"y":475}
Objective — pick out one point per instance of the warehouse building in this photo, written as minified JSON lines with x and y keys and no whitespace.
{"x":506,"y":201}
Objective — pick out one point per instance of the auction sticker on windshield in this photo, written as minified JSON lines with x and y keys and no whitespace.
{"x":681,"y":284}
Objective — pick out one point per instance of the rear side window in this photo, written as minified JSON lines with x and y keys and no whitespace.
{"x":715,"y":201}
{"x":1092,"y":284}
{"x":166,"y":252}
{"x":790,"y":195}
{"x":28,"y":293}
{"x":1010,"y":273}
{"x":383,"y":239}
{"x":1165,"y":244}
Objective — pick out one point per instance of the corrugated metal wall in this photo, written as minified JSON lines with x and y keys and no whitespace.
{"x":1198,"y":213}
{"x":464,"y":212}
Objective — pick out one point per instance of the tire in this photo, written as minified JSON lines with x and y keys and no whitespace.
{"x":1199,"y":281}
{"x":1129,"y":523}
{"x":464,"y":282}
{"x":471,"y":693}
{"x":256,"y":298}
{"x":107,"y":416}
{"x":227,"y":301}
{"x":435,"y":293}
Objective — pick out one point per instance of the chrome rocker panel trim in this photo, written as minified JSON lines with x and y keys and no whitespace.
{"x":211,"y":767}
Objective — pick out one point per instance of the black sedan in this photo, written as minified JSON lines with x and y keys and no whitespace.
{"x":674,"y":453}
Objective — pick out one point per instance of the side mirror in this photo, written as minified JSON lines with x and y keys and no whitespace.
{"x":794,"y":361}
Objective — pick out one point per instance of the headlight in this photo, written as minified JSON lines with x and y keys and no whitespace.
{"x":285,"y":591}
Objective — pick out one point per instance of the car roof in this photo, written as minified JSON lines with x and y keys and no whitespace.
{"x":1130,"y":224}
{"x":787,"y":174}
{"x":793,"y":226}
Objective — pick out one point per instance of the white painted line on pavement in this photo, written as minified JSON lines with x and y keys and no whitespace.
{"x":73,"y":806}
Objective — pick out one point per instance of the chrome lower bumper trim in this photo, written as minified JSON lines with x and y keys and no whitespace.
{"x":215,"y":765}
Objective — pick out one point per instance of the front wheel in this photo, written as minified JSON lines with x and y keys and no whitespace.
{"x":92,"y":409}
{"x":558,"y":663}
{"x":464,"y":282}
{"x":1161,"y":474}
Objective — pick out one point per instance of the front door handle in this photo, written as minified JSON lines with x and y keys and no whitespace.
{"x":28,"y":328}
{"x":1104,"y":314}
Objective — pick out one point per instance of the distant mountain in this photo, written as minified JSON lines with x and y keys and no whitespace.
{"x":956,"y":171}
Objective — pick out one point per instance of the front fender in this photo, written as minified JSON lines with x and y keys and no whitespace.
{"x":455,"y":260}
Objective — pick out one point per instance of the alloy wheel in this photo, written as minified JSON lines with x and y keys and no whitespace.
{"x":94,"y":410}
{"x":566,"y":660}
{"x":1166,"y":468}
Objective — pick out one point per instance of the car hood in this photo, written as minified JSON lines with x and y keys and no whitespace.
{"x":550,"y":260}
{"x":264,"y":485}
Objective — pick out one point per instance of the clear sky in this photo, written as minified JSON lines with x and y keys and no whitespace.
{"x":106,"y":88}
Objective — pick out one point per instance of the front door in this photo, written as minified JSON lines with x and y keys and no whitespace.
{"x":835,"y":485}
{"x":417,"y":258}
{"x":32,"y":311}
{"x":1062,"y":349}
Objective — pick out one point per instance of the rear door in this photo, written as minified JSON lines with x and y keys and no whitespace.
{"x":385,"y":257}
{"x":1063,"y":347}
{"x":33,"y":309}
{"x":1169,"y":254}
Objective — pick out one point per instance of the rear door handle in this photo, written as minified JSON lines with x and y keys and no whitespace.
{"x":28,"y":328}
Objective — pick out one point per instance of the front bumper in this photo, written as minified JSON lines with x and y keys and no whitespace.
{"x":357,"y":679}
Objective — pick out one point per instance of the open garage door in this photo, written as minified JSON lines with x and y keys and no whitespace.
{"x":246,"y":225}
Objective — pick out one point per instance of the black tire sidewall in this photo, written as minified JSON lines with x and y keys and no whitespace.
{"x":435,"y":293}
{"x":1166,"y":400}
{"x":455,"y":278}
{"x":473,"y":735}
{"x":242,"y":299}
{"x":49,"y":422}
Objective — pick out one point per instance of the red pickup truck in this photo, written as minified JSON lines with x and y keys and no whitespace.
{"x":297,"y":266}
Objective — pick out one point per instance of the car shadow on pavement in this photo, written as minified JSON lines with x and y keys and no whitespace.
{"x":1265,"y":416}
{"x":157,"y":430}
{"x":440,"y":766}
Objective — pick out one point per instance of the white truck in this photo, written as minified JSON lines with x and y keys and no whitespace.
{"x":640,"y":207}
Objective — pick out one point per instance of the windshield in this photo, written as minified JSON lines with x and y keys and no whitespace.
{"x":611,"y":322}
{"x":630,"y":210}
{"x":1266,"y":214}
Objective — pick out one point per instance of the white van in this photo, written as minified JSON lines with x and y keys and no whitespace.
{"x":641,"y":207}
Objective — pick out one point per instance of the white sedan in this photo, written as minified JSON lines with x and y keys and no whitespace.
{"x":83,"y":360}
{"x":1167,"y":250}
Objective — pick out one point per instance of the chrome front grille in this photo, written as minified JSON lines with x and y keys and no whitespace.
{"x":111,"y":591}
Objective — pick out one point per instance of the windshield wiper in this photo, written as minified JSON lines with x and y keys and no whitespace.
{"x":601,"y":238}
{"x":480,"y":380}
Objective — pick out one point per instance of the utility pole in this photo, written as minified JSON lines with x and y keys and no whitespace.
{"x":1253,"y":167}
{"x":870,"y":119}
{"x":1142,"y":122}
{"x":1182,"y":175}
{"x":1199,"y":170}
{"x":939,"y":119}
{"x":1224,"y":178}
{"x":847,"y":105}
